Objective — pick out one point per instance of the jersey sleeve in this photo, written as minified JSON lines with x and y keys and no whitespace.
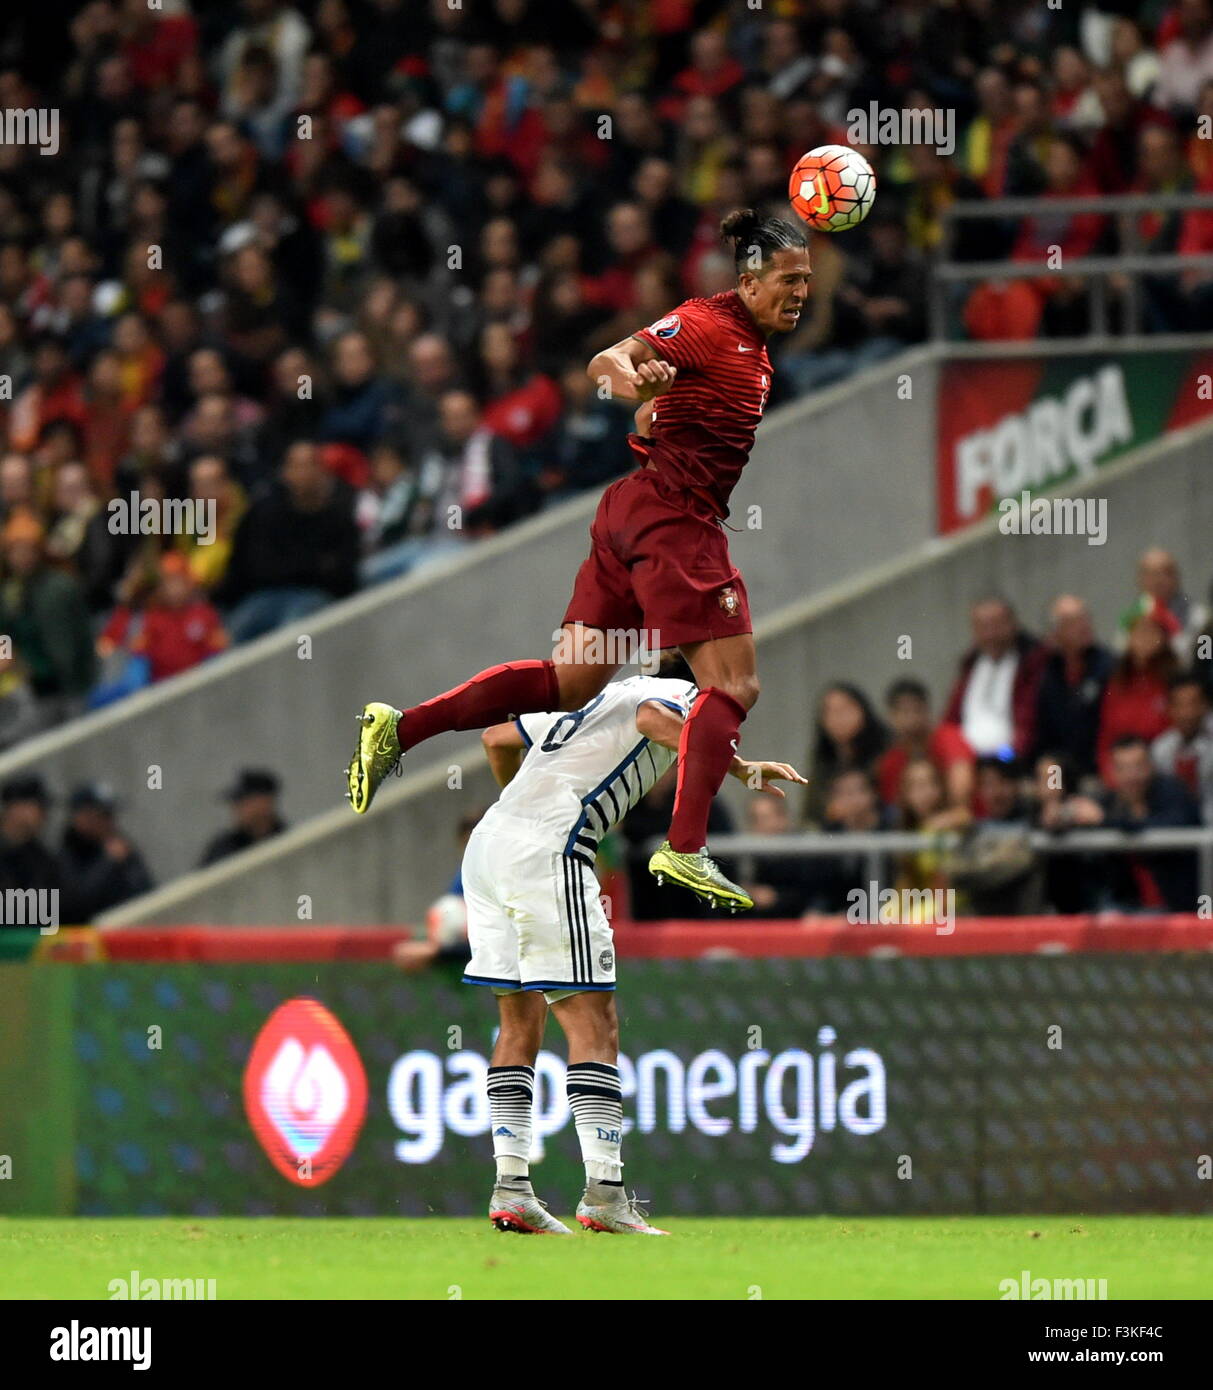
{"x":533,"y":727}
{"x":674,"y":695}
{"x":685,"y":338}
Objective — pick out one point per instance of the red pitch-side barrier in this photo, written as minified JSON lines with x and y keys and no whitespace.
{"x":671,"y":940}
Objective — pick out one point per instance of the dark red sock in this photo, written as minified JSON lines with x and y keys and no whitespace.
{"x":518,"y":687}
{"x":705,"y":753}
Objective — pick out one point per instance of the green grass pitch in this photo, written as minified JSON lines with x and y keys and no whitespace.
{"x":1147,"y":1257}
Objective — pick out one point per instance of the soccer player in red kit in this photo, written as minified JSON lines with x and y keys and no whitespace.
{"x":659,"y":557}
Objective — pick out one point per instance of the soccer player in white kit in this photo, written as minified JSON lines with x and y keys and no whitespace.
{"x":539,"y":934}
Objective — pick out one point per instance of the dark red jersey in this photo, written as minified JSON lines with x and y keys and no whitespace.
{"x":703,"y":427}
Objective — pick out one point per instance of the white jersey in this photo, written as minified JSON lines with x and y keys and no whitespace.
{"x":583,"y":771}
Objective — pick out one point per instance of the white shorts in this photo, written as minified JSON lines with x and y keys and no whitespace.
{"x":535,"y":918}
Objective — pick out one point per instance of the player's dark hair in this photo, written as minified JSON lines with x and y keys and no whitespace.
{"x":674,"y":666}
{"x":749,"y":232}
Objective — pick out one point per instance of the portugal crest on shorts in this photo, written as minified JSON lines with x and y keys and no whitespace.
{"x":730,"y":601}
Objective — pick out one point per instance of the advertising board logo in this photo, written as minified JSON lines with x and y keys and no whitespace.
{"x":305,"y":1092}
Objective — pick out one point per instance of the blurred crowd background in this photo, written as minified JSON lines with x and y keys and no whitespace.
{"x":331,"y":271}
{"x":1067,"y":730}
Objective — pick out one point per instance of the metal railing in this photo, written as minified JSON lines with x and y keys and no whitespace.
{"x":1133,"y":263}
{"x":877,"y":845}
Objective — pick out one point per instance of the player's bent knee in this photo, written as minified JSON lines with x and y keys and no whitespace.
{"x":743,"y":689}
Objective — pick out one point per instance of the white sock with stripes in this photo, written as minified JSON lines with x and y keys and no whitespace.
{"x":597,"y":1106}
{"x":511,"y":1091}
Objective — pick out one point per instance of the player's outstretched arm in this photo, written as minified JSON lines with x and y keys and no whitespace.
{"x":663,"y":726}
{"x":632,"y":371}
{"x":505,"y":747}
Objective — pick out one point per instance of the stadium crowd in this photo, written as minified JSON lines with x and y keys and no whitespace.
{"x":1052,"y":734}
{"x":96,"y":865}
{"x":330,"y":272}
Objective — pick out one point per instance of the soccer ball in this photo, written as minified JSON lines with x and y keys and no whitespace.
{"x":832,"y":188}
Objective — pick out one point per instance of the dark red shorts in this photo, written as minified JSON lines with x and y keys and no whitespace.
{"x":656,"y":566}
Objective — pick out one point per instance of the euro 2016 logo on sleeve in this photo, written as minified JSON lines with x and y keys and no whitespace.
{"x":666,"y":327}
{"x":305,"y":1092}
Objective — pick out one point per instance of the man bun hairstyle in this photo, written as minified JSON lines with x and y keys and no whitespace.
{"x":755,"y":238}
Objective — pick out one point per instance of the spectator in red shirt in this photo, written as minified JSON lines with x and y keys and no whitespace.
{"x":908,"y":706}
{"x":156,"y":46}
{"x":993,"y":702}
{"x":1135,"y":702}
{"x":55,"y":392}
{"x":1073,"y":102}
{"x":712,"y":73}
{"x":1059,"y":239}
{"x":523,"y":406}
{"x":107,"y":426}
{"x":1113,"y":155}
{"x":630,"y":236}
{"x":140,"y":361}
{"x":179,"y":628}
{"x":1076,"y":234}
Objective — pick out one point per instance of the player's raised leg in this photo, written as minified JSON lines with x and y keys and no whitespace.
{"x":511,"y":1087}
{"x":575,"y":673}
{"x":592,"y":1029}
{"x":726,"y":673}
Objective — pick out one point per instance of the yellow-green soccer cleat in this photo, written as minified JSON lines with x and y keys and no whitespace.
{"x":377,"y":755}
{"x":701,"y":875}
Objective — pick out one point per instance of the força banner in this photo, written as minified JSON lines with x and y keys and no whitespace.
{"x":1015,"y":425}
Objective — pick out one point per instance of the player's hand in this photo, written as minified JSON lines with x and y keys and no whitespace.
{"x":759,"y":775}
{"x":652,"y":379}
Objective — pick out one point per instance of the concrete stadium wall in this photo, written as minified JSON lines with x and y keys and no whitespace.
{"x":391,"y":865}
{"x":279,"y":705}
